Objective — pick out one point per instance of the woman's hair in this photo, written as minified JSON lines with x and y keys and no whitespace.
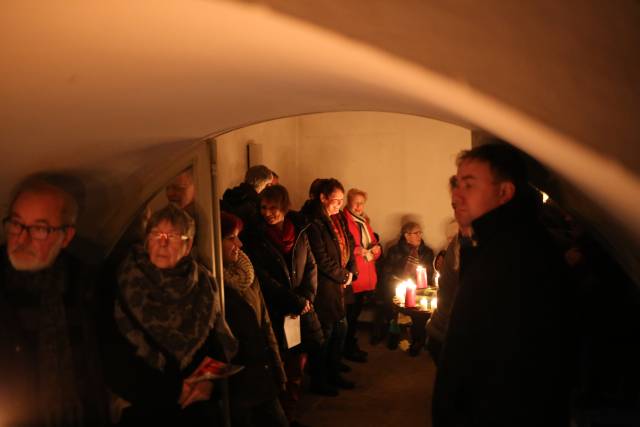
{"x":353,"y":192}
{"x":408,"y":226}
{"x":178,"y":217}
{"x":328,"y":186}
{"x":228,"y":223}
{"x":278,"y":195}
{"x":314,"y":188}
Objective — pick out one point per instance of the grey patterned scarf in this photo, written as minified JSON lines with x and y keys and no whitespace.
{"x":164,"y":311}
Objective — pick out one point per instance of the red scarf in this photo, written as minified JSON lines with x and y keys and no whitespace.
{"x":283,"y":239}
{"x":342,"y":239}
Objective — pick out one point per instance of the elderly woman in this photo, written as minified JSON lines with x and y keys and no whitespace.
{"x":253,"y":391}
{"x":366,"y":252}
{"x":400,"y":263}
{"x":166,"y":327}
{"x":283,"y":260}
{"x":332,"y":247}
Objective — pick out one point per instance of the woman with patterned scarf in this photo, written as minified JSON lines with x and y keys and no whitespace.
{"x":253,"y":392}
{"x":366,"y":252}
{"x":166,"y":327}
{"x":332,"y":247}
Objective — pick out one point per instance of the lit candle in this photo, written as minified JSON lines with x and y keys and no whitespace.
{"x":434,"y":303}
{"x":424,"y":303}
{"x":401,"y":290}
{"x":410,"y":296}
{"x":421,"y":277}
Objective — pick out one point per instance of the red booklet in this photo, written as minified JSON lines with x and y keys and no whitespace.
{"x":211,"y":369}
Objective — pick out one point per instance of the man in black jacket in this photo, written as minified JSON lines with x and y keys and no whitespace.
{"x":504,"y":361}
{"x":48,"y":354}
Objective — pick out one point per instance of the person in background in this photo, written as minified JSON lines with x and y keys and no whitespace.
{"x":332,"y":246}
{"x":181,"y":192}
{"x":243,"y":201}
{"x":505,"y":359}
{"x":438,"y":262}
{"x":48,"y":352}
{"x":253,"y":392}
{"x":163,"y":326}
{"x":400,"y":263}
{"x":284,"y":263}
{"x":366,"y":252}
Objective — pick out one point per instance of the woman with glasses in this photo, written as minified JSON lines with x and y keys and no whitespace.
{"x":400,"y":263}
{"x":166,"y":329}
{"x":332,"y":246}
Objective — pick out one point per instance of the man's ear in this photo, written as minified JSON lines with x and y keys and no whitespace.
{"x":69,"y":234}
{"x":507,"y":191}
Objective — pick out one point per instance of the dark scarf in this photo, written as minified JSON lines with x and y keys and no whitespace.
{"x":413,"y":260}
{"x":59,"y":403}
{"x":338,"y":230}
{"x":282,"y":239}
{"x":164,"y":311}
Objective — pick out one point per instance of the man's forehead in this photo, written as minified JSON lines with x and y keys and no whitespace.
{"x":473,"y":169}
{"x":38,"y":206}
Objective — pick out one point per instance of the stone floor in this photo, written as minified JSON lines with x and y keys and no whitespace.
{"x":392,"y":389}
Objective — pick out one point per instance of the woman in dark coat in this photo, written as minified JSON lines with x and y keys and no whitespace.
{"x":280,"y":252}
{"x":332,"y":247}
{"x":400,"y":263}
{"x":253,"y":392}
{"x":164,"y":324}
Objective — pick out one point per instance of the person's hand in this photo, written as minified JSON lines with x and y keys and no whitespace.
{"x":349,"y":280}
{"x":376,"y":250}
{"x":359,"y":251}
{"x":194,"y":392}
{"x":307,"y":308}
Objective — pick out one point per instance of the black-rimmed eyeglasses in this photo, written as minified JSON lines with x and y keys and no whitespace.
{"x":36,"y":232}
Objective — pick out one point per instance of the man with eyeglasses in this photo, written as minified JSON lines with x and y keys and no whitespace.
{"x":48,"y":352}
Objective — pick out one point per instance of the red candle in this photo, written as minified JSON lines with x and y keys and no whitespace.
{"x":410,"y":295}
{"x":421,"y":277}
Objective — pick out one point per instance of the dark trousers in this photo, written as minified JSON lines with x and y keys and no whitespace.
{"x":324,"y":365}
{"x":353,"y":312}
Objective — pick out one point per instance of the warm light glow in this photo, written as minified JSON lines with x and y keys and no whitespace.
{"x":424,"y":303}
{"x":434,"y":303}
{"x":545,"y":197}
{"x":401,"y":291}
{"x":437,"y":276}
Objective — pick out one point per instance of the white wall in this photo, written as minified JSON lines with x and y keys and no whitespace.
{"x":402,"y":161}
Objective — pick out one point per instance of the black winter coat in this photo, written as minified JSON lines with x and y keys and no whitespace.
{"x":504,"y":361}
{"x":329,"y":303}
{"x":244,"y":202}
{"x":287,"y":281}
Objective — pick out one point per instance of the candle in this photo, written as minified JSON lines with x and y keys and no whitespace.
{"x":434,"y":303}
{"x":424,"y":303}
{"x":421,"y":277}
{"x":401,"y":290}
{"x":410,"y":296}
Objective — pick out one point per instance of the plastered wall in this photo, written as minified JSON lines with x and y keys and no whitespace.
{"x":403,"y":162}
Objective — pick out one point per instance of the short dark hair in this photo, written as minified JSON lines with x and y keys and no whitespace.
{"x":176,"y":216}
{"x":39,"y":185}
{"x":257,"y":175}
{"x":408,"y":226}
{"x":328,"y":186}
{"x":228,"y":223}
{"x":277,"y":194}
{"x":506,"y":162}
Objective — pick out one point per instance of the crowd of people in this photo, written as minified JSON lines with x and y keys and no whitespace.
{"x":133,"y":344}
